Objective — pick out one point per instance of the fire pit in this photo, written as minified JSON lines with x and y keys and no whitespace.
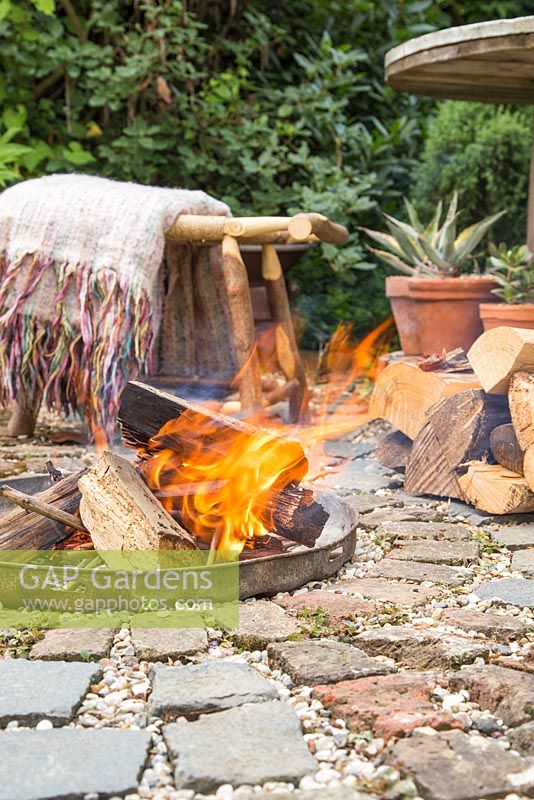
{"x":202,"y":481}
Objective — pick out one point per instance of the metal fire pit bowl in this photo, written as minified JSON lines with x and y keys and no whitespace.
{"x":330,"y":516}
{"x":283,"y":572}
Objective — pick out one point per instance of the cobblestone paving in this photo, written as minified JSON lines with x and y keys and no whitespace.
{"x":408,"y":674}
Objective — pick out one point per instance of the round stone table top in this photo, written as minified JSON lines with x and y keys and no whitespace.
{"x":488,"y":61}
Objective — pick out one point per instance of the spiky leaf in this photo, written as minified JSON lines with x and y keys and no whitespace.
{"x":393,"y":261}
{"x":385,"y":239}
{"x":472,"y":236}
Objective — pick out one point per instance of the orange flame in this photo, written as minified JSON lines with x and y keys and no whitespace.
{"x":223,"y":481}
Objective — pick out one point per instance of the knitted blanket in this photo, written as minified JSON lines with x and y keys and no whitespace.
{"x":81,"y":287}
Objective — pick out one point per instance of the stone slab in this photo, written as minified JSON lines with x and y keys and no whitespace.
{"x":437,"y":531}
{"x":73,"y":644}
{"x":160,"y":644}
{"x":386,"y":592}
{"x":367,"y":502}
{"x":385,"y":519}
{"x":202,"y":688}
{"x":421,"y":648}
{"x":522,"y":738}
{"x":71,"y":763}
{"x":419,"y":572}
{"x":455,"y":554}
{"x":388,"y":705}
{"x":513,"y":591}
{"x":263,"y":622}
{"x":523,"y":561}
{"x":34,"y":690}
{"x":515,"y":537}
{"x":315,"y":661}
{"x":454,"y":766}
{"x":247,"y":745}
{"x":360,"y":475}
{"x":508,"y":693}
{"x":336,"y":606}
{"x":501,"y":627}
{"x":344,"y":449}
{"x":456,"y":508}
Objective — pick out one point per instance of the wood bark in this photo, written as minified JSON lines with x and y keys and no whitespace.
{"x":496,"y":490}
{"x":242,"y":325}
{"x":457,"y":431}
{"x":403,"y":394}
{"x":505,"y":448}
{"x":521,"y":399}
{"x":498,"y":354}
{"x":393,"y":451}
{"x":23,"y":530}
{"x":286,"y":346}
{"x":121,"y":512}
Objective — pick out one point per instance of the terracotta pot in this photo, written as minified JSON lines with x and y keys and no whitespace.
{"x":402,"y":305}
{"x":514,"y":315}
{"x":447,"y":310}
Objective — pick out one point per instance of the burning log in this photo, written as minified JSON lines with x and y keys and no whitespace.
{"x":496,"y":490}
{"x":121,"y":512}
{"x":403,"y":394}
{"x":29,"y":530}
{"x":393,"y":451}
{"x":457,"y":431}
{"x":521,"y":399}
{"x":229,"y":482}
{"x":505,"y":448}
{"x":144,"y":412}
{"x":498,"y":354}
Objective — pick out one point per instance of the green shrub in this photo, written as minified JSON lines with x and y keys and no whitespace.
{"x":483,"y":152}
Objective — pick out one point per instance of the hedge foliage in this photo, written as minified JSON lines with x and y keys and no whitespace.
{"x":272,"y":107}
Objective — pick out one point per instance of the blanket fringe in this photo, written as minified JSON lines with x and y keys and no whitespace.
{"x":82,"y":366}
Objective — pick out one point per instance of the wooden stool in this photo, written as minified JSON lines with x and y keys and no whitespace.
{"x":229,"y":232}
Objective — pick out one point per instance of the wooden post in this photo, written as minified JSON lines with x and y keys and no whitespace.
{"x":281,"y":313}
{"x":530,"y":207}
{"x":242,"y":325}
{"x":24,"y":416}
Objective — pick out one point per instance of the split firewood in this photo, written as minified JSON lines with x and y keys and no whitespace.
{"x":393,"y":451}
{"x":144,"y":411}
{"x":505,"y":448}
{"x":457,"y":431}
{"x":528,"y":466}
{"x":498,"y":354}
{"x":496,"y":490}
{"x":521,"y":399}
{"x":30,"y":503}
{"x":29,"y":530}
{"x":121,"y":512}
{"x":403,"y":394}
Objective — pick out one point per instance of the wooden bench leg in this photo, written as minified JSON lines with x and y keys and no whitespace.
{"x":281,"y":313}
{"x":242,"y":324}
{"x":23,"y":417}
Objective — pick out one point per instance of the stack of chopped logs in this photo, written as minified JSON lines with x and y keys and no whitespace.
{"x":114,"y":509}
{"x":464,"y":427}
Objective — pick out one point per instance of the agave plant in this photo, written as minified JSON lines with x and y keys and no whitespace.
{"x":513,"y":269}
{"x":435,"y":249}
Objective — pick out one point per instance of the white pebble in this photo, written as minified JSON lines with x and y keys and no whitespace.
{"x":44,"y":725}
